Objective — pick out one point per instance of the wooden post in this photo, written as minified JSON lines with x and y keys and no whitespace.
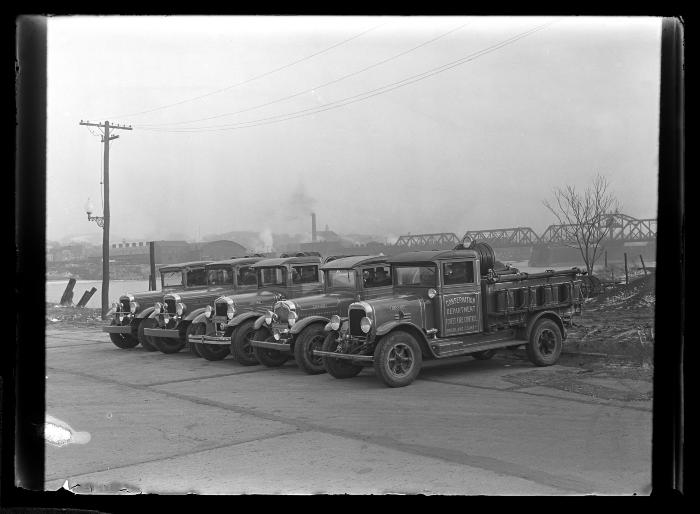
{"x":152,"y":277}
{"x":643,"y":265}
{"x":67,"y":298}
{"x":86,"y":297}
{"x":627,"y":278}
{"x":606,"y":259}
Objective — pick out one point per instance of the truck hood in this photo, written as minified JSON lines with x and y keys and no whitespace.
{"x":408,"y":307}
{"x":325,"y":305}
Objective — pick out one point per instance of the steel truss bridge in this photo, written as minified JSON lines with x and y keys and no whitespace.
{"x":614,"y":227}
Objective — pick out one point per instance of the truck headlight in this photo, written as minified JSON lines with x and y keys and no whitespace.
{"x":365,"y":324}
{"x":292,"y":318}
{"x":179,"y":308}
{"x":268,"y":318}
{"x":208,"y":311}
{"x":166,"y":318}
{"x":335,"y":322}
{"x":157,"y":307}
{"x":133,"y":306}
{"x":230,"y":310}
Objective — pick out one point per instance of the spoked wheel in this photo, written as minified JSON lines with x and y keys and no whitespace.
{"x":171,"y":344}
{"x":310,"y":339}
{"x":338,"y":368}
{"x":241,"y":349}
{"x":266,"y":356}
{"x":193,"y":330}
{"x":123,"y":341}
{"x":146,"y":342}
{"x":397,"y":359}
{"x":544,"y":347}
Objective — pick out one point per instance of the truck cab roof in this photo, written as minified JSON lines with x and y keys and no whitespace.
{"x":283,"y":261}
{"x":354,"y":261}
{"x":182,"y":265}
{"x":237,"y":261}
{"x":431,"y":255}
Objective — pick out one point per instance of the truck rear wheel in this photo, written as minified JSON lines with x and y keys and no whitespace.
{"x":123,"y":341}
{"x":544,"y":346}
{"x":310,"y":339}
{"x":397,"y":359}
{"x":337,"y":368}
{"x":241,"y":349}
{"x":267,"y":357}
{"x":146,"y":341}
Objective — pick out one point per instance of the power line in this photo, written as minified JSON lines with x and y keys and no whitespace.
{"x":227,"y":88}
{"x":315,"y":88}
{"x":358,"y":97}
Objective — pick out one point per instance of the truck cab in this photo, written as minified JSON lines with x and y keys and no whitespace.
{"x":448,"y":303}
{"x":174,"y":312}
{"x":227,"y":324}
{"x":296,"y":326}
{"x":130,"y":311}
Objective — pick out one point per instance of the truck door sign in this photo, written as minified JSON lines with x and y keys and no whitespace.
{"x":461,"y":313}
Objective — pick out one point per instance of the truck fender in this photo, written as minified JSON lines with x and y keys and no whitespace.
{"x":305,"y":322}
{"x":145,"y":313}
{"x":259,"y":322}
{"x":195,"y":313}
{"x":545,"y":314}
{"x":390,"y":326}
{"x":237,"y":320}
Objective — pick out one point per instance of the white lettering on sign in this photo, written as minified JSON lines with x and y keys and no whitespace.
{"x":461,"y":314}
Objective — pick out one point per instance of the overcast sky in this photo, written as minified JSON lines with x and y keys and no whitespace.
{"x":490,"y":116}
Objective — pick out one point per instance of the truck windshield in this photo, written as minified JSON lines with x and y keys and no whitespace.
{"x":171,"y":279}
{"x":276,"y":276}
{"x":219,"y":277}
{"x":246,"y":276}
{"x":196,"y":277}
{"x":340,"y":278}
{"x":415,"y":276}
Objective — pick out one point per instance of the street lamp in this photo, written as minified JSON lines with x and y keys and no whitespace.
{"x":89,"y":208}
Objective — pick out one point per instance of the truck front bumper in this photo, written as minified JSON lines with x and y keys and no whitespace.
{"x":272,"y":345}
{"x":345,"y":356}
{"x":162,"y":332}
{"x":211,"y":339}
{"x":118,"y":329}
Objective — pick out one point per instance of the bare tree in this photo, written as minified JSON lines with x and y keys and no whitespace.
{"x":586,"y":217}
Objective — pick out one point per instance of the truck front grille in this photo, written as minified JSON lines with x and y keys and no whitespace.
{"x":124,"y":304}
{"x":282,"y":312}
{"x":220,"y":309}
{"x":355,"y":316}
{"x":170,"y":304}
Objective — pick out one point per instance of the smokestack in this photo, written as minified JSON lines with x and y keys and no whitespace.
{"x":313,"y":227}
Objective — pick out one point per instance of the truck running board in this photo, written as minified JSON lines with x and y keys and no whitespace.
{"x":472,"y":344}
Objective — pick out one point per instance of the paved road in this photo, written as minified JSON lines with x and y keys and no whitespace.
{"x":178,"y":423}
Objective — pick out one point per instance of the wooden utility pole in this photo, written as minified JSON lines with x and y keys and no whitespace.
{"x":106,"y":138}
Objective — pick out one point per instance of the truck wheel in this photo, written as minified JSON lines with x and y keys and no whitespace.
{"x":123,"y":341}
{"x":146,"y":341}
{"x":544,"y":346}
{"x":337,"y":368}
{"x":170,"y":344}
{"x":310,"y":339}
{"x":192,"y":330}
{"x":485,"y":355}
{"x":269,"y":358}
{"x":241,"y":349}
{"x":397,"y":359}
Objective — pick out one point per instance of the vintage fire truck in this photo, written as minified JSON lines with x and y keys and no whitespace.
{"x":132,"y":310}
{"x":296,"y":326}
{"x":173,"y":315}
{"x":228,"y":325}
{"x":449,"y":303}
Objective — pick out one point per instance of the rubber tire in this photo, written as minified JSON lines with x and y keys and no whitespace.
{"x":542,"y":327}
{"x":123,"y":341}
{"x":241,"y":350}
{"x":169,"y":344}
{"x":484,"y":356}
{"x":383,"y":351}
{"x":195,"y":329}
{"x":304,"y":345}
{"x":146,"y":342}
{"x":266,"y":357}
{"x":337,"y":368}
